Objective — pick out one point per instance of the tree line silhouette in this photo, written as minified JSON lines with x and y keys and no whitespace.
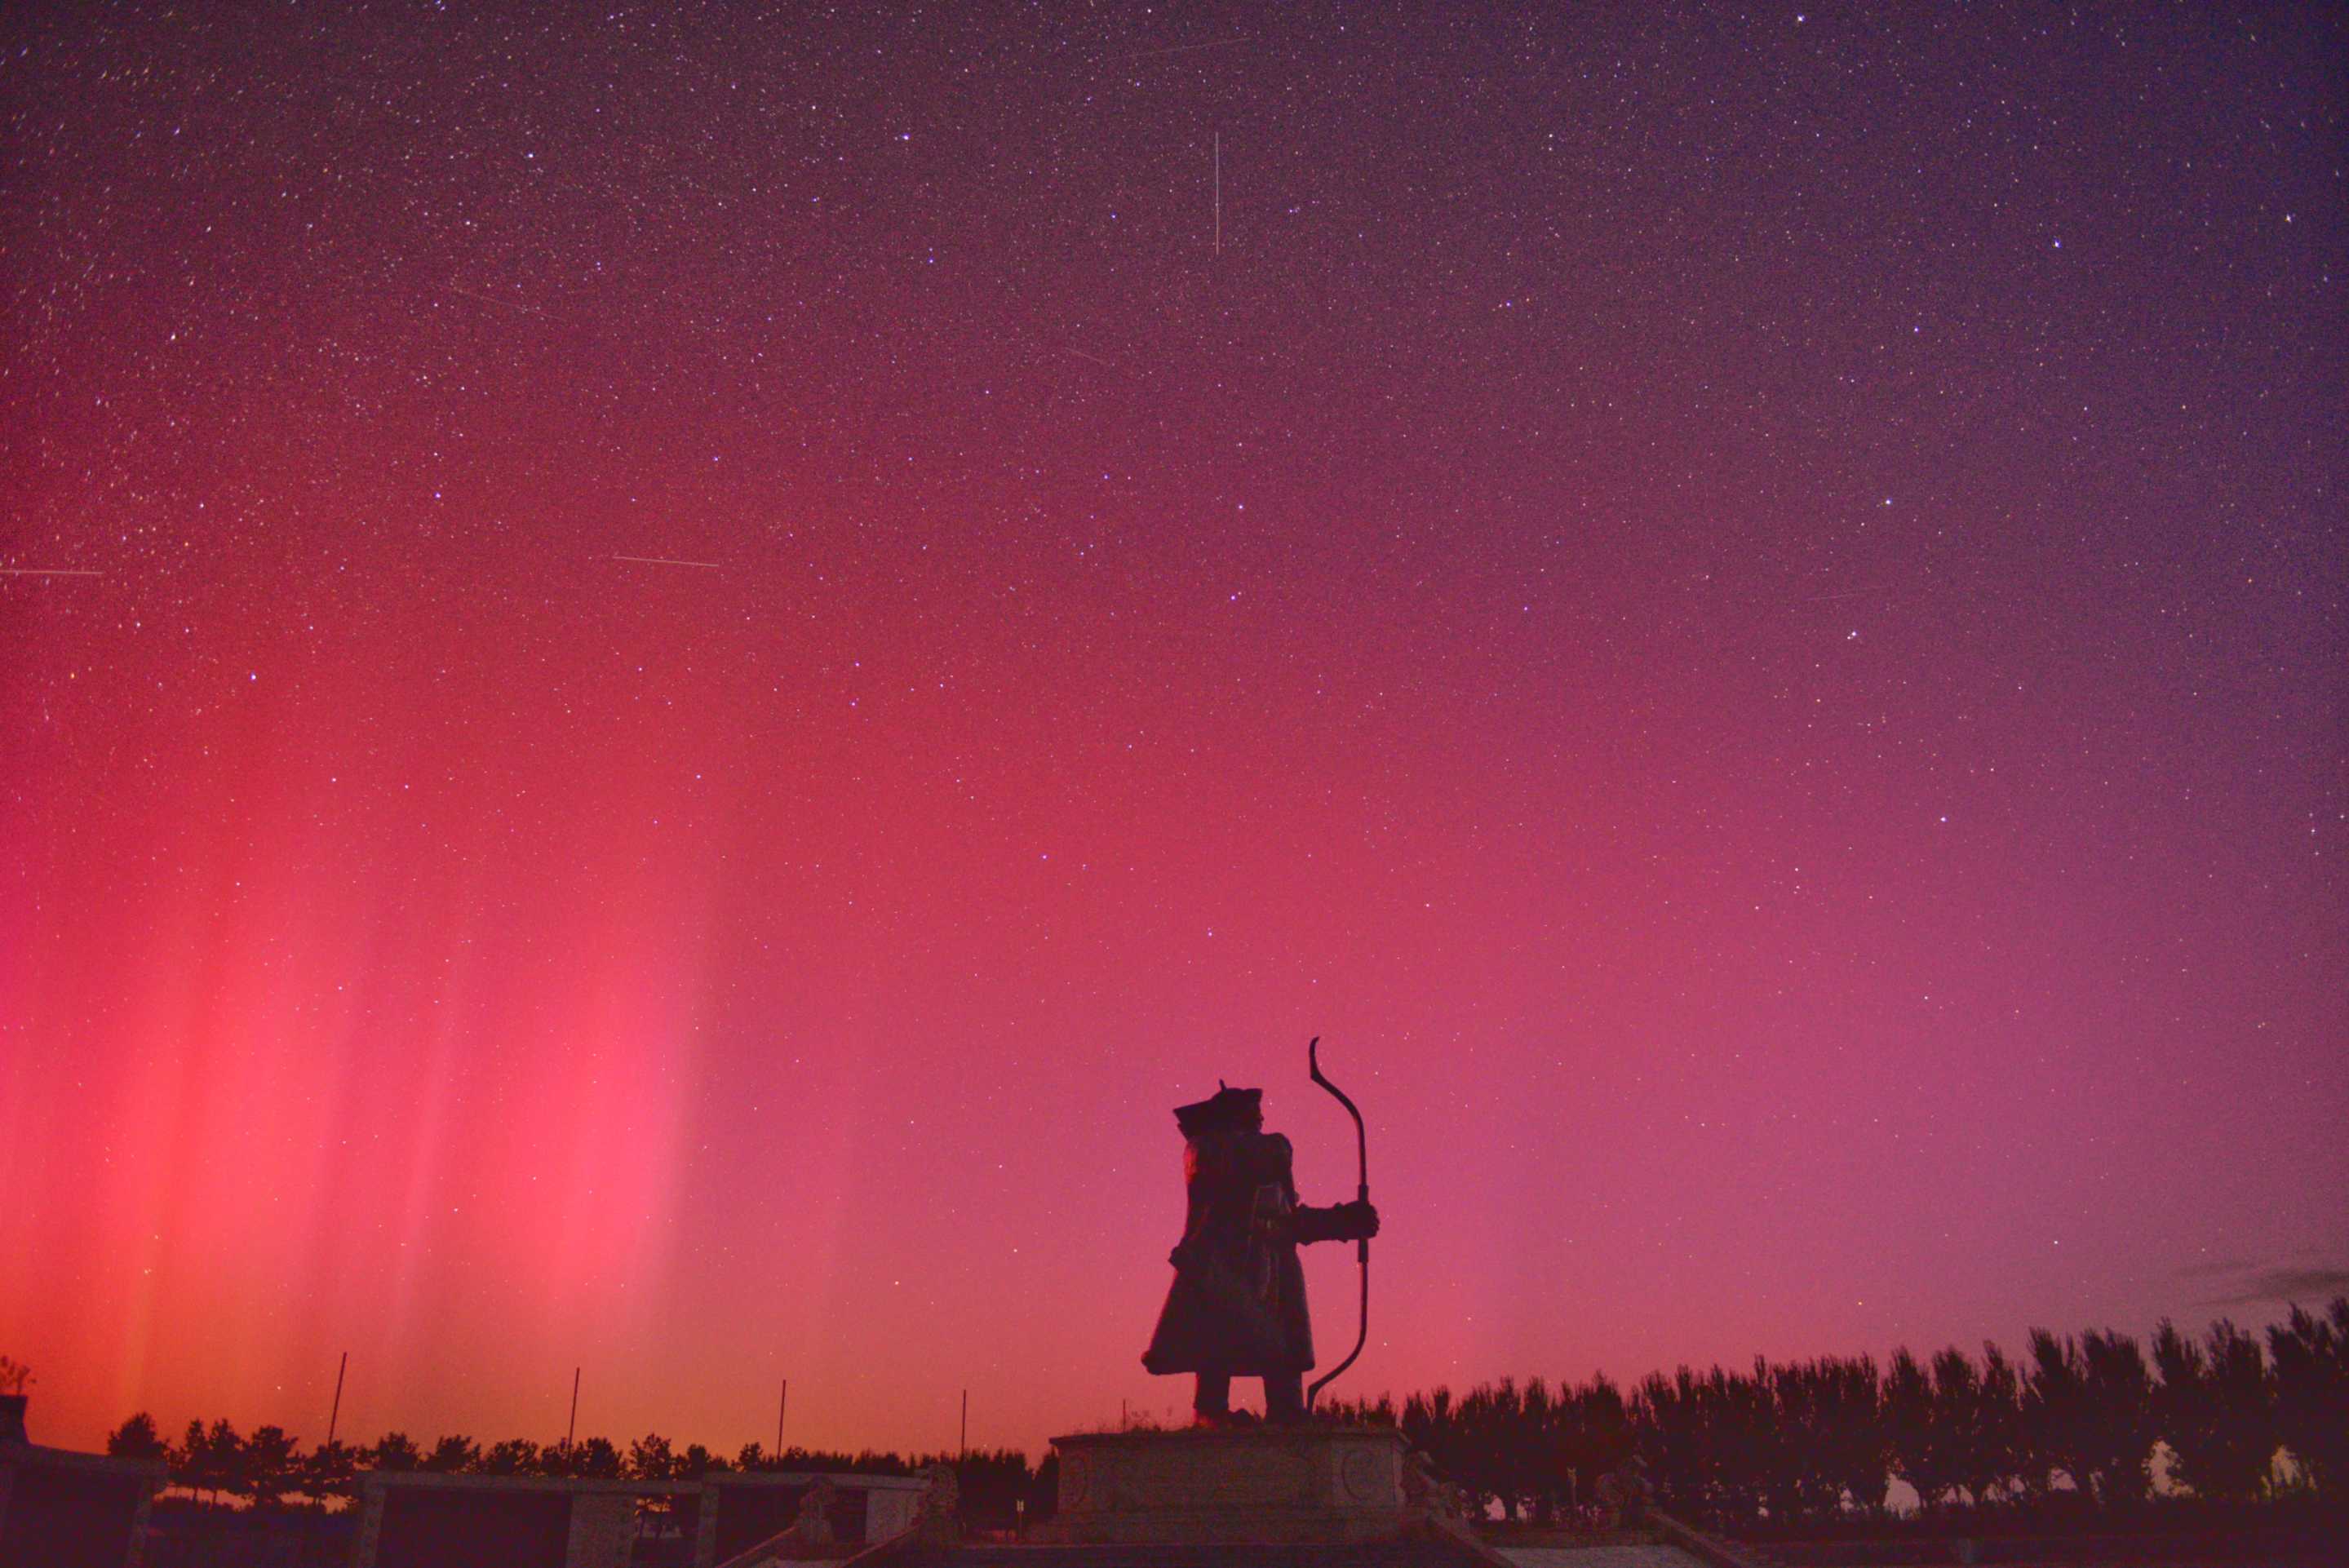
{"x":2073,"y":1424}
{"x":267,"y":1468}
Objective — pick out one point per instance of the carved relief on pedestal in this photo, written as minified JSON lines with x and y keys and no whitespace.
{"x":1230,"y":1475}
{"x":1306,"y":1483}
{"x":1365,"y":1476}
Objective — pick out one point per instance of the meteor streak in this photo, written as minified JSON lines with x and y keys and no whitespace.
{"x":1186,"y":48}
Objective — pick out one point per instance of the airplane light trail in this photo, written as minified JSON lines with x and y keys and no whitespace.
{"x":666,"y":561}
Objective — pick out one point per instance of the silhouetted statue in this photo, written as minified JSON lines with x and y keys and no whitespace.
{"x":1236,"y":1308}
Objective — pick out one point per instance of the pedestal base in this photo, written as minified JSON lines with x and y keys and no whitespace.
{"x":1300,"y":1483}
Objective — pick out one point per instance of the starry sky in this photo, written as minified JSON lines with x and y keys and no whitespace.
{"x":667,"y":672}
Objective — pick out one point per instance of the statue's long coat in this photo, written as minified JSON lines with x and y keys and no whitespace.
{"x":1237,"y":1304}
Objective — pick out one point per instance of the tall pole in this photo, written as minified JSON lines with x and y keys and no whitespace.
{"x":780,"y":1406}
{"x":335,"y":1414}
{"x":572,"y":1430}
{"x":964,"y":1450}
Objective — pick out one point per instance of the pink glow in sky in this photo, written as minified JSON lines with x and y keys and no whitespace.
{"x":1746,"y":619}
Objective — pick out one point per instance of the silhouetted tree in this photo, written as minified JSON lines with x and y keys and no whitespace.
{"x":137,"y":1438}
{"x":2056,"y":1416}
{"x":452,"y":1455}
{"x":210,"y":1460}
{"x":268,"y":1468}
{"x":1427,"y":1421}
{"x":1743,"y":1436}
{"x":330,"y":1470}
{"x":1542,"y":1416}
{"x":1794,"y":1443}
{"x":1044,"y":1490}
{"x":2120,"y":1430}
{"x":514,"y":1456}
{"x":1459,"y":1431}
{"x":649,"y":1458}
{"x":1670,"y":1420}
{"x":1528,"y":1446}
{"x":1853,"y":1445}
{"x":596,"y":1460}
{"x":1995,"y":1461}
{"x":1972,"y":1422}
{"x":2216,"y":1409}
{"x":1379,"y":1412}
{"x":2311,"y":1383}
{"x":1601,"y":1438}
{"x":1826,"y":1441}
{"x":393,"y":1451}
{"x":1491,"y":1418}
{"x":1710,"y":1442}
{"x":1791,"y":1486}
{"x":186,"y":1458}
{"x":1916,"y":1423}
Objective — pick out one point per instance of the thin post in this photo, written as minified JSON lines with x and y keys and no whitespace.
{"x":964,"y":1450}
{"x":571,"y":1431}
{"x":335,"y":1414}
{"x":780,"y":1406}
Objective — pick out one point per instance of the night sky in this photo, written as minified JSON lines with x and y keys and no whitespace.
{"x":711,"y":656}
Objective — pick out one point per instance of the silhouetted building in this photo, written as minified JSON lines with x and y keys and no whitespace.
{"x":64,"y":1510}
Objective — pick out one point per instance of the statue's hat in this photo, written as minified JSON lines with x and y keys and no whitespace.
{"x":1229,"y":1107}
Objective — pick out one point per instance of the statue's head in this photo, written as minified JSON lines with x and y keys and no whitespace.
{"x":1228,"y":1110}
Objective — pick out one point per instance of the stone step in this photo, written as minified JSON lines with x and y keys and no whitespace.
{"x":1366,"y":1554}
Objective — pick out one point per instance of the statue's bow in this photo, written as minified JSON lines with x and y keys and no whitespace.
{"x":1362,"y":1194}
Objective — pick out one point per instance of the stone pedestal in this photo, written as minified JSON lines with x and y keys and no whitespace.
{"x":1305,"y":1484}
{"x":603,"y":1529}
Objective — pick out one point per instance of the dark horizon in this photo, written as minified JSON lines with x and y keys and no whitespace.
{"x":2216,"y":1431}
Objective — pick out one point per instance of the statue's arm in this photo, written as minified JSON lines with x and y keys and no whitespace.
{"x":1356,"y":1221}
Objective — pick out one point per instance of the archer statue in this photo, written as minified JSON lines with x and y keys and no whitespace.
{"x":1236,"y":1308}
